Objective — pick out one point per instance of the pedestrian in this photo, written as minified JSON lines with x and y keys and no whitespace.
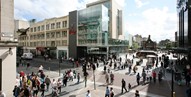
{"x":134,"y":69}
{"x":104,"y":69}
{"x":16,"y":91}
{"x":144,"y":77}
{"x":88,"y":94}
{"x":160,"y":76}
{"x":137,"y":93}
{"x":138,"y":79}
{"x":78,"y":78}
{"x":40,"y":69}
{"x":107,"y":78}
{"x":129,"y":87}
{"x":154,"y":76}
{"x":28,"y":65}
{"x":123,"y":86}
{"x":130,"y":67}
{"x":111,"y":78}
{"x":107,"y":92}
{"x":47,"y":82}
{"x":188,"y":92}
{"x":42,"y":88}
{"x":111,"y":92}
{"x":59,"y":85}
{"x":35,"y":91}
{"x":188,"y":79}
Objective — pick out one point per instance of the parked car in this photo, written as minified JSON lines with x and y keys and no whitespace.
{"x":27,"y":56}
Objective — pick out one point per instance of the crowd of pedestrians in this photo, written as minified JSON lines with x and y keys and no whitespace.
{"x":37,"y":83}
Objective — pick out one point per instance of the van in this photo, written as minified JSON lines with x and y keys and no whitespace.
{"x":27,"y":56}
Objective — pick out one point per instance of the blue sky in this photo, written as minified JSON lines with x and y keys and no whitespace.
{"x":145,"y":17}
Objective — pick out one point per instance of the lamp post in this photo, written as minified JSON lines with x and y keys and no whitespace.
{"x":60,"y":61}
{"x":94,"y":67}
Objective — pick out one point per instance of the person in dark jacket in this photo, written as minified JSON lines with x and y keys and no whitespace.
{"x":123,"y":86}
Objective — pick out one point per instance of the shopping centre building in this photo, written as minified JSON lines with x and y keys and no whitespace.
{"x":95,"y":30}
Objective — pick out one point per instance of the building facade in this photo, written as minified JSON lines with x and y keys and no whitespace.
{"x":7,"y":47}
{"x":19,"y":24}
{"x":94,"y":30}
{"x":99,"y":28}
{"x":148,"y":44}
{"x":7,"y":20}
{"x":184,"y":23}
{"x":49,"y":36}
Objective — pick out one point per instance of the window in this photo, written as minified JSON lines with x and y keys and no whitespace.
{"x":58,"y":43}
{"x":38,"y":28}
{"x":47,"y":35}
{"x":64,"y":42}
{"x":34,"y":36}
{"x":57,"y":34}
{"x":34,"y":29}
{"x":52,"y":25}
{"x":31,"y":29}
{"x":47,"y":27}
{"x":42,"y":28}
{"x":48,"y":43}
{"x":64,"y":33}
{"x":64,"y":24}
{"x":42,"y":36}
{"x":58,"y":25}
{"x":52,"y":35}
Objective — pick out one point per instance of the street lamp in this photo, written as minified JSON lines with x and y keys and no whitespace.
{"x":94,"y":67}
{"x":60,"y":61}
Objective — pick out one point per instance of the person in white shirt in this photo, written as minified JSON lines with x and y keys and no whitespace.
{"x":88,"y":94}
{"x":40,"y":68}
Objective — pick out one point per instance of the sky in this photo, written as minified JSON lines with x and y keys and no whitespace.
{"x":157,"y":18}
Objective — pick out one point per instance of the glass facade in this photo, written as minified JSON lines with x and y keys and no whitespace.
{"x":93,"y":25}
{"x":183,"y":24}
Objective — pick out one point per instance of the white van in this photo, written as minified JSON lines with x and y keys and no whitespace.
{"x":27,"y":56}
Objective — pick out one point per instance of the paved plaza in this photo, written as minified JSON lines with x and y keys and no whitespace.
{"x":157,"y":89}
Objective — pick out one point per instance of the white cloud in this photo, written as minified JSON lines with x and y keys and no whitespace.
{"x":41,"y":9}
{"x":132,"y":14}
{"x":159,"y":23}
{"x":45,"y":9}
{"x":140,"y":3}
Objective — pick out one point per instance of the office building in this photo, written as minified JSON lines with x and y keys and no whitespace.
{"x":184,"y":23}
{"x":96,"y":29}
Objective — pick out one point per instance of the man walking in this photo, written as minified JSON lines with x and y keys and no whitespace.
{"x":78,"y":77}
{"x":111,"y":78}
{"x":123,"y":86}
{"x":107,"y":92}
{"x":47,"y":81}
{"x":138,"y":79}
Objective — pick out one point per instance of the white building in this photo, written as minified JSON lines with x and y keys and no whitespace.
{"x":20,"y":24}
{"x":130,"y":39}
{"x":49,"y":36}
{"x":7,"y":48}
